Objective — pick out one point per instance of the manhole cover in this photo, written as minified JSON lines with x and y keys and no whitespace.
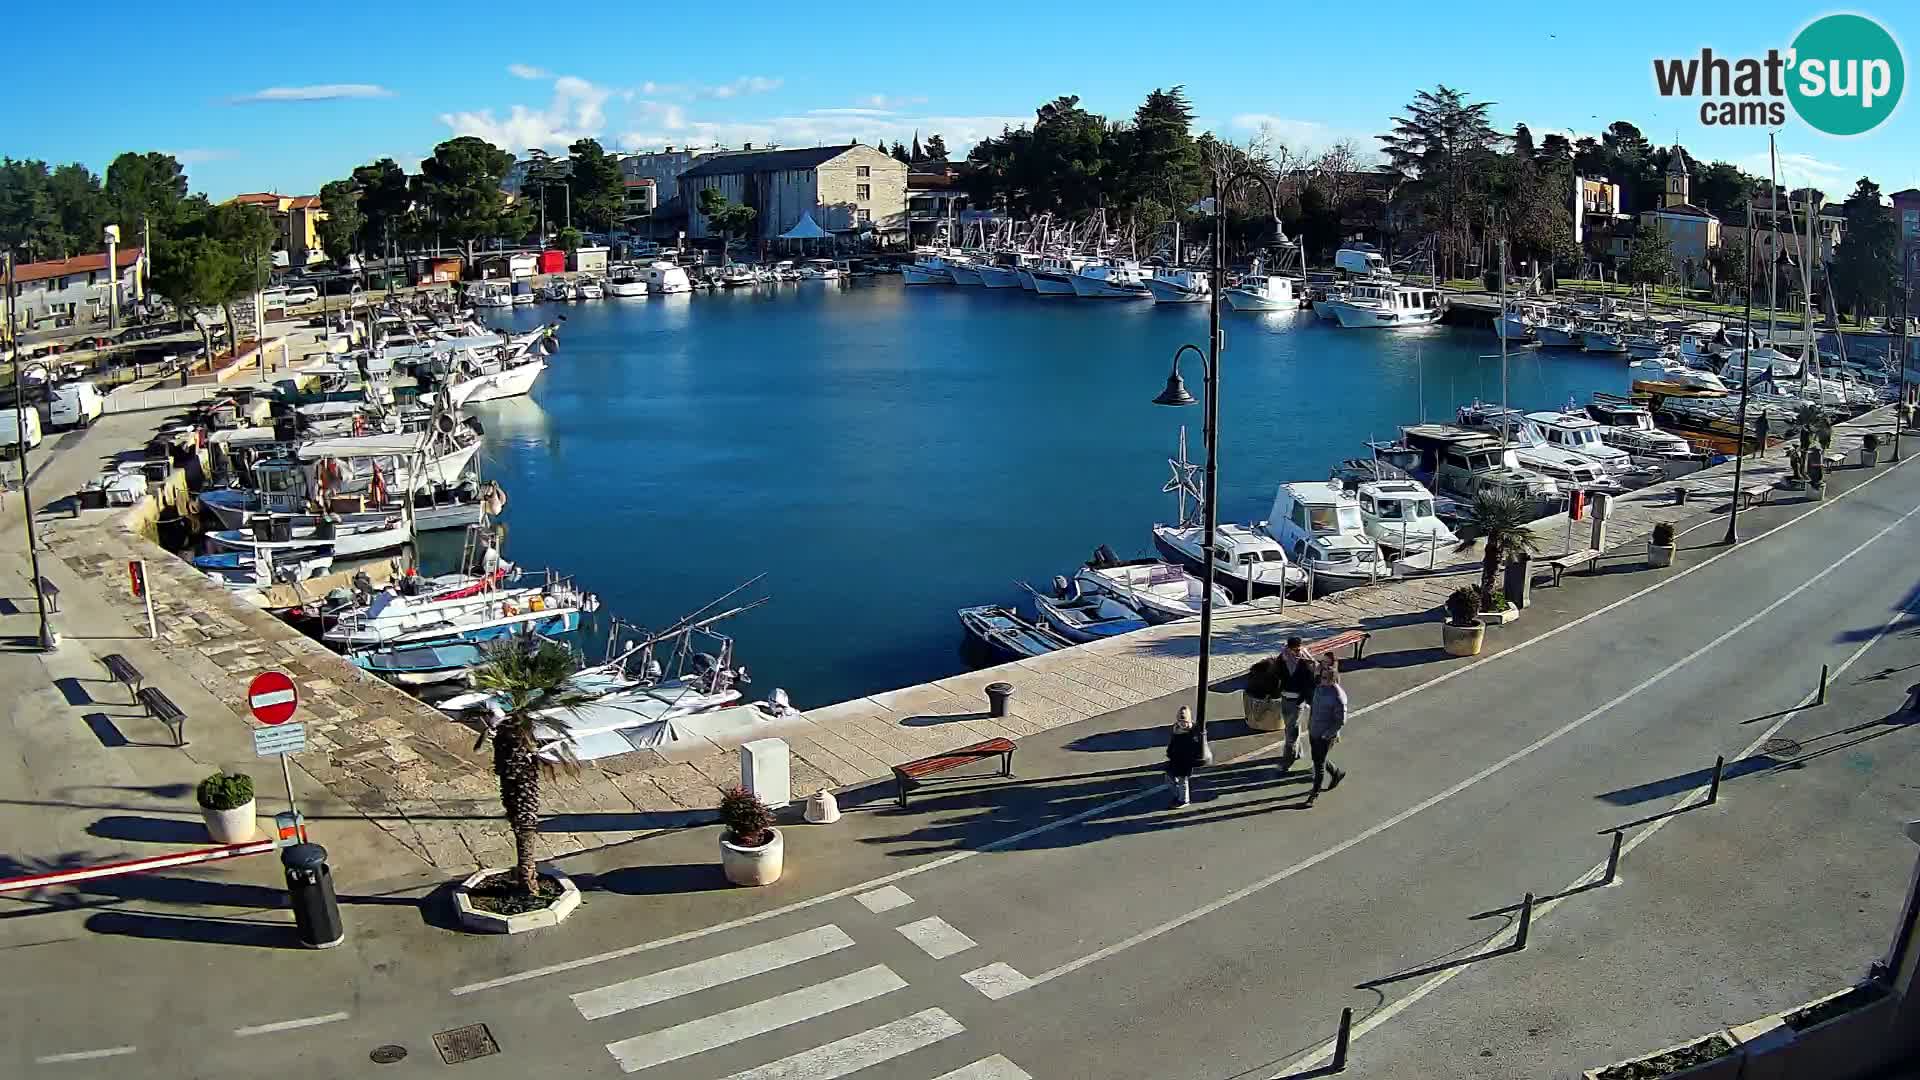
{"x":465,"y":1043}
{"x":388,"y":1054}
{"x":1780,"y":747}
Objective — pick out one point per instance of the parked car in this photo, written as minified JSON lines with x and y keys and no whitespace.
{"x":302,"y":294}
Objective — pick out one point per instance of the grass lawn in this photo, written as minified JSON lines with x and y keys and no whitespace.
{"x":1660,"y":295}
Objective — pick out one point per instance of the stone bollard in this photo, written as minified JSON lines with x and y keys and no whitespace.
{"x":764,"y":771}
{"x":823,"y":808}
{"x":999,"y":696}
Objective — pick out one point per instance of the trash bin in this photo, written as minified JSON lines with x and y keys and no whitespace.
{"x":1681,"y":494}
{"x":1518,"y":585}
{"x":998,"y":695}
{"x":316,"y":914}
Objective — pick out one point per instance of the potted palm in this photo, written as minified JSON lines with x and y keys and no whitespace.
{"x":1500,"y":523}
{"x":1660,"y":546}
{"x":226,"y":805}
{"x":530,"y":697}
{"x":1262,"y":695}
{"x":1463,"y":633}
{"x":751,"y":850}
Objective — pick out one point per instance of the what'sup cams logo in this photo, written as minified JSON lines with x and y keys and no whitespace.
{"x":1843,"y":75}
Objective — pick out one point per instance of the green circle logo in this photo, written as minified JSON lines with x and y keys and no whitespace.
{"x":1847,"y":74}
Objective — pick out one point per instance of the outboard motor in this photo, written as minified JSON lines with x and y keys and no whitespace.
{"x":1061,"y":588}
{"x":1104,"y":556}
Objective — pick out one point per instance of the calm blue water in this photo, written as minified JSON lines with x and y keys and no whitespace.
{"x":888,"y":455}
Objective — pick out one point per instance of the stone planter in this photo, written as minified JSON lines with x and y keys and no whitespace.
{"x":1851,"y":1044}
{"x":236,"y":826}
{"x":1500,"y":618}
{"x":473,"y":918}
{"x":1462,"y":640}
{"x":1263,"y":714}
{"x":1725,"y":1067}
{"x":1660,"y":555}
{"x":753,"y":865}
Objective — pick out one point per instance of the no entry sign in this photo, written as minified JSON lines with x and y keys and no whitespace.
{"x":272,"y":697}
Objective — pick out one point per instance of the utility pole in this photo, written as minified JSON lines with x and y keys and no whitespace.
{"x":1746,"y":384}
{"x":26,"y":492}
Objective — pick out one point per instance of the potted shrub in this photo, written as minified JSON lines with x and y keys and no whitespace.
{"x":1660,"y":546}
{"x":1498,"y":610}
{"x":1870,"y":449}
{"x":751,"y":851}
{"x":1463,"y":633}
{"x":226,"y":804}
{"x":530,"y":688}
{"x":1262,"y":695}
{"x":1500,"y":522}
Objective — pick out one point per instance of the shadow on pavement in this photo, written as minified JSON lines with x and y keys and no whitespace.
{"x":1101,"y":742}
{"x":656,"y":880}
{"x":1687,"y":781}
{"x":195,"y":928}
{"x":74,"y":691}
{"x":105,"y":730}
{"x":149,"y":830}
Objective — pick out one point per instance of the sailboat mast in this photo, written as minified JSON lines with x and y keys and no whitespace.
{"x":1773,"y":249}
{"x":1501,"y":274}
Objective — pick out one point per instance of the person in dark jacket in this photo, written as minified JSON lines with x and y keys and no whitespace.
{"x":1324,"y":726}
{"x":1297,"y":680}
{"x":1184,"y":753}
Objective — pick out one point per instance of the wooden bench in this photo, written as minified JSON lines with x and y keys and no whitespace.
{"x":52,"y":592}
{"x":1761,"y":492}
{"x":122,"y":671}
{"x":161,"y":708}
{"x":1332,"y":643}
{"x":907,"y":777}
{"x":1561,"y":564}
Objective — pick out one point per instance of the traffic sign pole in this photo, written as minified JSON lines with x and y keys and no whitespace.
{"x":137,"y":573}
{"x":273,"y":698}
{"x":286,"y":774}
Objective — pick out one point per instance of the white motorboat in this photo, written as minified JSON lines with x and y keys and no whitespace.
{"x":1556,"y":331}
{"x":1001,"y":272}
{"x":1053,"y":275}
{"x":1160,"y":590}
{"x":665,"y":278}
{"x":588,"y":289}
{"x":559,"y":290}
{"x":734,"y":275}
{"x":1262,"y":292}
{"x":1387,"y":305}
{"x":1580,"y":434}
{"x":963,"y":271}
{"x":821,"y":270}
{"x":1113,"y":279}
{"x":341,"y":539}
{"x":1630,"y":427}
{"x":1247,"y":562}
{"x":523,"y":293}
{"x":626,"y":281}
{"x":1600,"y":336}
{"x":1667,"y":369}
{"x":1319,"y":525}
{"x":420,"y":460}
{"x":1399,"y":516}
{"x":1181,"y":286}
{"x":929,"y":267}
{"x":1081,"y":618}
{"x":239,"y":570}
{"x":393,"y":619}
{"x":1566,"y":466}
{"x":490,"y":294}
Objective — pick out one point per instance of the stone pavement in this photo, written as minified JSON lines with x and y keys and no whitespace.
{"x":420,"y":777}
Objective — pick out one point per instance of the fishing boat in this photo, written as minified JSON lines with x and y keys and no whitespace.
{"x":421,"y":665}
{"x":394,"y":619}
{"x":1159,"y":590}
{"x":1180,"y":286}
{"x":626,"y":281}
{"x":1006,"y":636}
{"x":1082,"y":618}
{"x":342,"y":539}
{"x":1002,"y":271}
{"x":1262,"y":292}
{"x":1556,"y":332}
{"x":1053,"y":275}
{"x":928,"y":267}
{"x":1387,"y":305}
{"x":255,"y":570}
{"x":1319,"y":524}
{"x":962,"y":270}
{"x":1516,"y":321}
{"x":1111,"y":279}
{"x":1602,"y":336}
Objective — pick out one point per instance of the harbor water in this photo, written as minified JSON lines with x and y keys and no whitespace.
{"x":887,"y":455}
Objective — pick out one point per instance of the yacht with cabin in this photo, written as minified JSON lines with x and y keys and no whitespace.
{"x":1319,"y":525}
{"x":1387,"y":305}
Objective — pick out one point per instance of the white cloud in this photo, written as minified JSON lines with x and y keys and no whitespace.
{"x":882,"y":101}
{"x":528,"y":71}
{"x":822,"y":127}
{"x":577,"y":111}
{"x":322,"y":92}
{"x":194,"y":155}
{"x":745,"y":84}
{"x":850,"y":112}
{"x":1804,"y":170}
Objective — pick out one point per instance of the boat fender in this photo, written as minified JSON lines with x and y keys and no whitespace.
{"x":509,"y":609}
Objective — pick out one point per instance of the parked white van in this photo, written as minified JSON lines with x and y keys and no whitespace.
{"x":18,"y":429}
{"x":75,"y":404}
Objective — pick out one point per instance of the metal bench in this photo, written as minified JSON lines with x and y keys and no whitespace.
{"x":1332,"y":643}
{"x":1833,"y":459}
{"x":1561,"y":564}
{"x":52,"y":592}
{"x":908,"y":776}
{"x":161,"y":708}
{"x":122,"y":671}
{"x":1761,"y":492}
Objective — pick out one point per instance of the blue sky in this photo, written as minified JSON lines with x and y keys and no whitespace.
{"x":286,"y":98}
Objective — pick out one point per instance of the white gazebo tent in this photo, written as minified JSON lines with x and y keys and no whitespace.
{"x":806,"y":229}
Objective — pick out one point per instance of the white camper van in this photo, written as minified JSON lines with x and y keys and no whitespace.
{"x":75,"y":404}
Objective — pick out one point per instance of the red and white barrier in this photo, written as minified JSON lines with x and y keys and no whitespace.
{"x":137,"y":866}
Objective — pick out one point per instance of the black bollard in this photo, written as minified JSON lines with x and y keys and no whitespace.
{"x":1526,"y":923}
{"x":1613,"y":859}
{"x":1713,"y":792}
{"x":316,"y":914}
{"x":998,"y":695}
{"x":1340,"y":1041}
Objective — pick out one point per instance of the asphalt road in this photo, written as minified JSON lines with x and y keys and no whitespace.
{"x":1076,"y":926}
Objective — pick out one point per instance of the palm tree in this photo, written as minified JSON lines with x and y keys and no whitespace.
{"x":531,"y":691}
{"x":1501,"y":521}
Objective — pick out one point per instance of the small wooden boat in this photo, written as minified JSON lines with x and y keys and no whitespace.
{"x":1004,"y":634}
{"x":1081,"y":619}
{"x":421,"y":665}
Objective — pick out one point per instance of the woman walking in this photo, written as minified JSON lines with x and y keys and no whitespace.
{"x":1323,"y":727}
{"x":1184,"y":753}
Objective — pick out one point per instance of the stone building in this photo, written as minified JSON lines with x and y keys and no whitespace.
{"x":1692,"y":231}
{"x":855,"y":192}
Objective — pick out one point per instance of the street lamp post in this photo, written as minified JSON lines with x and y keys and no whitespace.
{"x":1906,"y":300}
{"x":1176,"y":394}
{"x":46,"y":640}
{"x":1746,"y":384}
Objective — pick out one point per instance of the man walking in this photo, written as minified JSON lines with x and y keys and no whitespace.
{"x":1323,"y":727}
{"x":1296,"y":686}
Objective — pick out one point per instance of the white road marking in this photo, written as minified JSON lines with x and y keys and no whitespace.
{"x":714,"y":971}
{"x":997,"y":981}
{"x":758,"y":1018}
{"x":856,"y":1052}
{"x":1541,"y":910}
{"x":1125,"y":800}
{"x":1434,"y":800}
{"x":936,"y":937}
{"x":885,"y":898}
{"x":289,"y":1025}
{"x":988,"y":1068}
{"x":85,"y":1055}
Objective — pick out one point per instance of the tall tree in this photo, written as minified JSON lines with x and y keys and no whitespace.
{"x":1522,"y":141}
{"x":344,"y":226}
{"x":729,"y":218}
{"x":1555,"y":147}
{"x":29,"y":220}
{"x":1723,"y":188}
{"x":461,"y":184}
{"x":936,"y":149}
{"x":1650,"y":261}
{"x":384,"y":201}
{"x":81,"y":205}
{"x":899,"y":153}
{"x":150,"y":187}
{"x":915,"y":152}
{"x":1438,"y":139}
{"x":1866,"y":265}
{"x":599,"y":188}
{"x":246,"y":234}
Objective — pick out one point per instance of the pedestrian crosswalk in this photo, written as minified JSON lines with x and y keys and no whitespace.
{"x":759,"y":969}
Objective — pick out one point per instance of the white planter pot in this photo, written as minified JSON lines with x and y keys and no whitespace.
{"x":235,"y":826}
{"x":1501,"y":617}
{"x":1659,"y":555}
{"x":756,"y":865}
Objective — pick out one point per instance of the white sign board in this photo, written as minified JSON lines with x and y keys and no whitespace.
{"x":282,"y":739}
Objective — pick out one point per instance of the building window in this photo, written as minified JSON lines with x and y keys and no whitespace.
{"x":863,"y":215}
{"x":863,"y":170}
{"x":863,"y":191}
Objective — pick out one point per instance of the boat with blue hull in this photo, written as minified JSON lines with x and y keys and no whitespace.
{"x":1005,"y":636}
